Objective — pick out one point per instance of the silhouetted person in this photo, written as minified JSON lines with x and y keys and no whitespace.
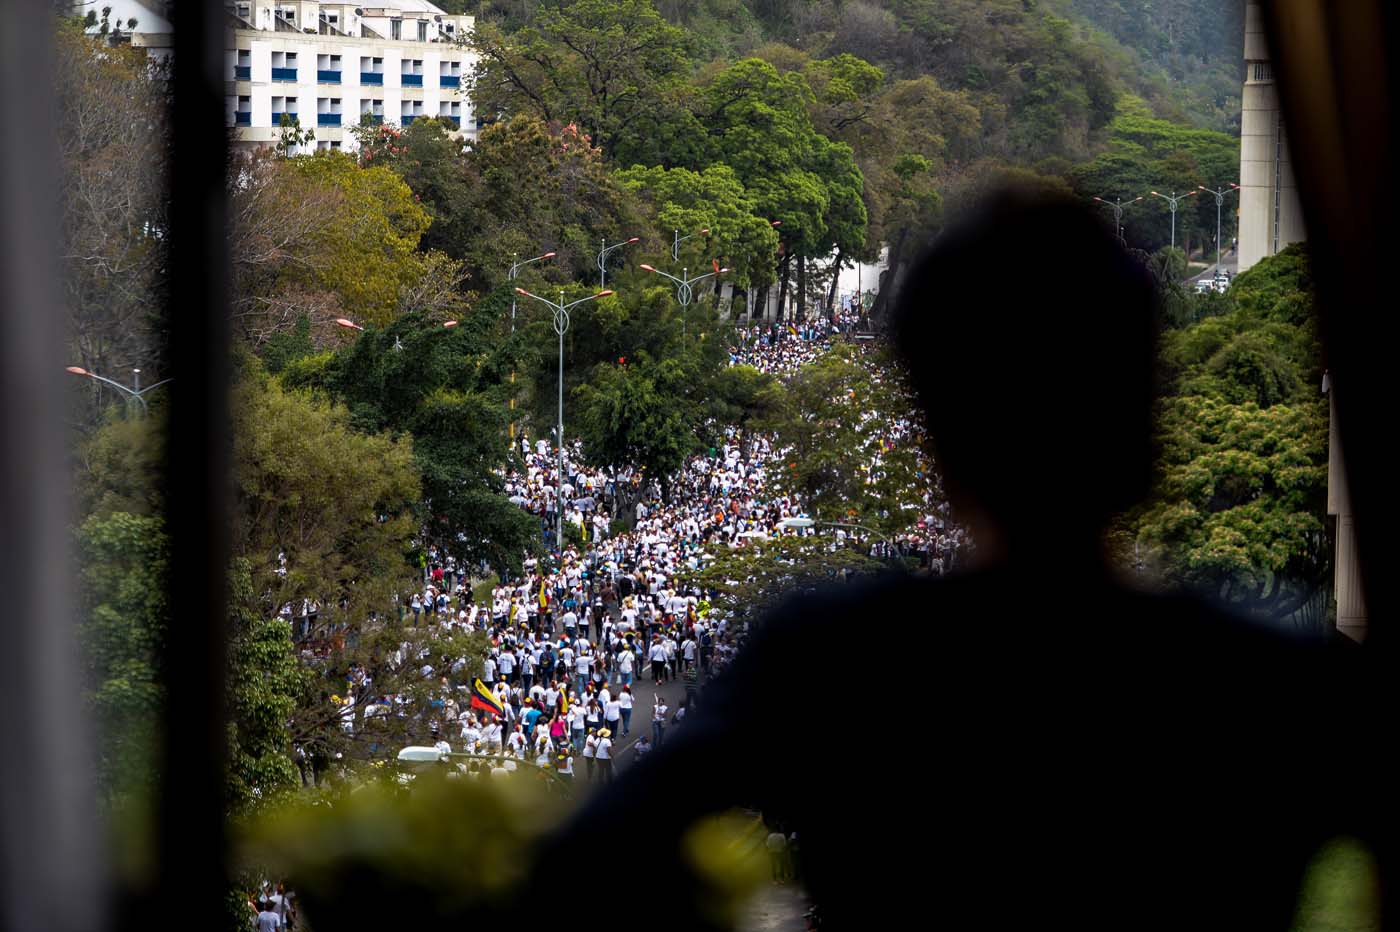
{"x":1100,"y":757}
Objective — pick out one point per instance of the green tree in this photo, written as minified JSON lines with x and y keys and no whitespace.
{"x":123,"y":559}
{"x":638,"y":413}
{"x":431,"y":162}
{"x":598,"y":63}
{"x":447,"y":389}
{"x":831,"y":421}
{"x":759,"y":123}
{"x":321,"y":237}
{"x":535,"y":189}
{"x":714,"y":199}
{"x":1146,"y":154}
{"x":1239,"y":508}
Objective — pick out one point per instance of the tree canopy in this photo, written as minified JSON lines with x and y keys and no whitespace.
{"x":1239,"y":508}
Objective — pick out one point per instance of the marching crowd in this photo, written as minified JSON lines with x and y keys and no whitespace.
{"x":573,"y":640}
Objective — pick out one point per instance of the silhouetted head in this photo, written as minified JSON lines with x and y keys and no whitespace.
{"x":1029,"y":335}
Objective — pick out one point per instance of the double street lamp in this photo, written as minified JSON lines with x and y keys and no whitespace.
{"x":1173,"y":200}
{"x":134,"y":392}
{"x":684,"y":286}
{"x":1219,"y":202}
{"x":603,"y":258}
{"x":561,"y":326}
{"x":1117,"y":205}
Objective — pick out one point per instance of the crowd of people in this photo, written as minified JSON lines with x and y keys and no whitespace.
{"x":587,"y":644}
{"x":575,"y":637}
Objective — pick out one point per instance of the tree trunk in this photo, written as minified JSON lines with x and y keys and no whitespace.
{"x":835,"y":281}
{"x":782,"y":287}
{"x":802,"y":288}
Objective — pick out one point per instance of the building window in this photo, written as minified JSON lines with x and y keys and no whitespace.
{"x":287,"y":14}
{"x":422,"y":30}
{"x":245,"y":11}
{"x":1263,"y":71}
{"x":396,"y":29}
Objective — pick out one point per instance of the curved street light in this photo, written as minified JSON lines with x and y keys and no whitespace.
{"x":1173,"y":199}
{"x":515,"y":266}
{"x":676,"y":242}
{"x":561,"y":326}
{"x":133,"y":392}
{"x":684,"y":286}
{"x":603,"y":257}
{"x":1219,"y":202}
{"x":1117,"y":206}
{"x":514,"y":273}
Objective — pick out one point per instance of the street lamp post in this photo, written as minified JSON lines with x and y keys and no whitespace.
{"x":1117,"y":206}
{"x":603,"y":258}
{"x":1219,"y":203}
{"x":1173,"y":199}
{"x":512,"y":275}
{"x":676,"y":242}
{"x":515,"y":266}
{"x":561,"y":326}
{"x":685,"y":286}
{"x":133,"y":392}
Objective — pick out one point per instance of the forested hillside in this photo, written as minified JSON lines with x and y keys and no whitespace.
{"x":877,"y":119}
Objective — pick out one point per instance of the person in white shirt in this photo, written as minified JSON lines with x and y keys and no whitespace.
{"x":590,"y":747}
{"x":658,"y":719}
{"x":603,"y":752}
{"x":612,"y":714}
{"x":624,"y":708}
{"x":267,"y":919}
{"x":575,"y":720}
{"x":657,"y":656}
{"x":582,"y":665}
{"x":491,"y":738}
{"x":625,"y":660}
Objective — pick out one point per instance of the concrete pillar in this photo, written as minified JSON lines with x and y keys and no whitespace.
{"x":1271,"y":216}
{"x":1346,"y":569}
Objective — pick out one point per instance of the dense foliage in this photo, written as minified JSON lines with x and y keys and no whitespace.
{"x":1239,"y":509}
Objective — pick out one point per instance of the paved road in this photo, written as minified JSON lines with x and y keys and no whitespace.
{"x":672,"y":692}
{"x":1229,"y":262}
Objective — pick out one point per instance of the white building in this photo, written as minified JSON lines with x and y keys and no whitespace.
{"x":331,"y":64}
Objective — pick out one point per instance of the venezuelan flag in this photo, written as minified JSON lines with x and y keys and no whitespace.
{"x":485,"y":700}
{"x":544,"y":599}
